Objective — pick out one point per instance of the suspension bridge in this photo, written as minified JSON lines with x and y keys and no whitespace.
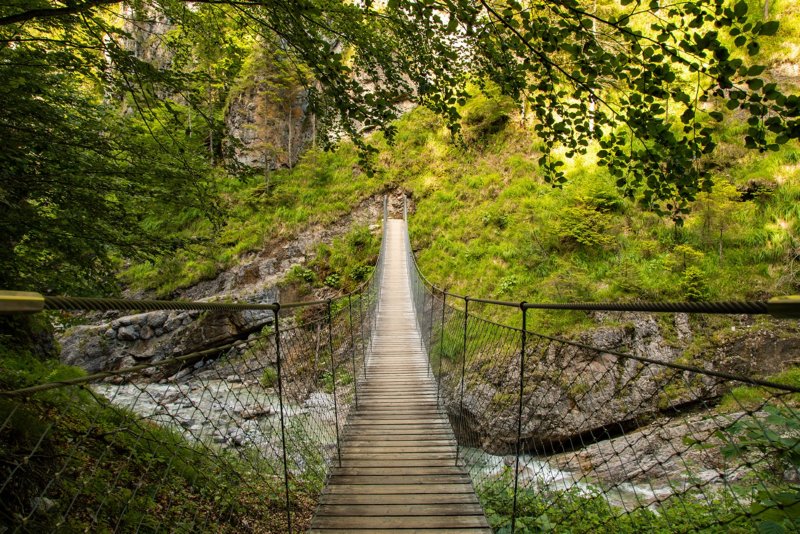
{"x":398,"y":465}
{"x":397,"y":407}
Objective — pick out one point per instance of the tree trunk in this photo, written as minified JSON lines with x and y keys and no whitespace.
{"x":291,"y":133}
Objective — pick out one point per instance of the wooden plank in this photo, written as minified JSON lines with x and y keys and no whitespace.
{"x":400,"y":498}
{"x":405,"y":531}
{"x":399,"y":489}
{"x":447,"y":456}
{"x":423,"y":461}
{"x":399,"y":479}
{"x":388,"y":510}
{"x":397,"y":470}
{"x":379,"y":444}
{"x":422,"y":521}
{"x":396,"y":450}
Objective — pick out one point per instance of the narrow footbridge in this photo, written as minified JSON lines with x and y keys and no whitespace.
{"x":398,"y":465}
{"x":398,"y":407}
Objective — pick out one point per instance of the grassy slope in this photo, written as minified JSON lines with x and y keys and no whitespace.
{"x":70,"y":461}
{"x":323,"y":187}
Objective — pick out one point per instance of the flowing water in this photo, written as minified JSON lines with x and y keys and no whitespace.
{"x":539,"y":475}
{"x":230,"y":414}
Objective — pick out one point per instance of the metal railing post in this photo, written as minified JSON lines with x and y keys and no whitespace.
{"x":441,"y":351}
{"x":353,"y":349}
{"x":430,"y":327}
{"x":333,"y":377}
{"x":523,"y":343}
{"x":405,"y":208}
{"x":279,"y":365}
{"x":463,"y":372}
{"x":385,"y":210}
{"x":361,"y":322}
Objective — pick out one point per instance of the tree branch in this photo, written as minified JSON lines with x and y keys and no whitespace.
{"x":54,"y":12}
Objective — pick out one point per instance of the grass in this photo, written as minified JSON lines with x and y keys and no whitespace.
{"x":62,"y":452}
{"x":508,"y":235}
{"x":322,"y":188}
{"x":751,"y":397}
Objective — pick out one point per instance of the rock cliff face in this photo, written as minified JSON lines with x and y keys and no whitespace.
{"x":155,"y":336}
{"x":575,"y":396}
{"x":270,"y":129}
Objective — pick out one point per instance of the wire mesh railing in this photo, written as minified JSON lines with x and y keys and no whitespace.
{"x":559,"y":435}
{"x":234,"y":438}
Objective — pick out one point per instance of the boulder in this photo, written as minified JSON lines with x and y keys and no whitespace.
{"x":127,"y":333}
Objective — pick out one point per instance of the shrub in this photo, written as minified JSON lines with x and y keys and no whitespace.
{"x":585,"y":226}
{"x":484,"y":115}
{"x":693,"y":284}
{"x":508,"y":284}
{"x":361,"y":272}
{"x":298,"y":273}
{"x":499,"y":220}
{"x":269,"y":377}
{"x":333,"y":280}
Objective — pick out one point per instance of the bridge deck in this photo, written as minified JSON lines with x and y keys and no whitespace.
{"x":398,"y":456}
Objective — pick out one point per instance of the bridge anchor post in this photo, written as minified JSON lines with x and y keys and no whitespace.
{"x":523,"y":348}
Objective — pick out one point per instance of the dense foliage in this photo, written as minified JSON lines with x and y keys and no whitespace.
{"x":131,"y":98}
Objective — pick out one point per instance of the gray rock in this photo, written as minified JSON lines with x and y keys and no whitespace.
{"x":319,"y":399}
{"x":657,"y":453}
{"x":792,"y":475}
{"x":119,"y":323}
{"x":174,"y":321}
{"x":682,"y":327}
{"x":157,"y":319}
{"x":111,"y":333}
{"x":89,"y":348}
{"x":237,"y":437}
{"x":180,"y":374}
{"x":146,"y":332}
{"x":256,"y":412}
{"x":127,"y":333}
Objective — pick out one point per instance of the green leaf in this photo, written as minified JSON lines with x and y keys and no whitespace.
{"x":770,"y":527}
{"x":769,"y":28}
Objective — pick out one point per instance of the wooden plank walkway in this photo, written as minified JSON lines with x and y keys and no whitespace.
{"x":398,"y":454}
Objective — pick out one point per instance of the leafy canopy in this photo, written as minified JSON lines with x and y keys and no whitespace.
{"x":133,"y":132}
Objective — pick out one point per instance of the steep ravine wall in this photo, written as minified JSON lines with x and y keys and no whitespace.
{"x":578,"y":396}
